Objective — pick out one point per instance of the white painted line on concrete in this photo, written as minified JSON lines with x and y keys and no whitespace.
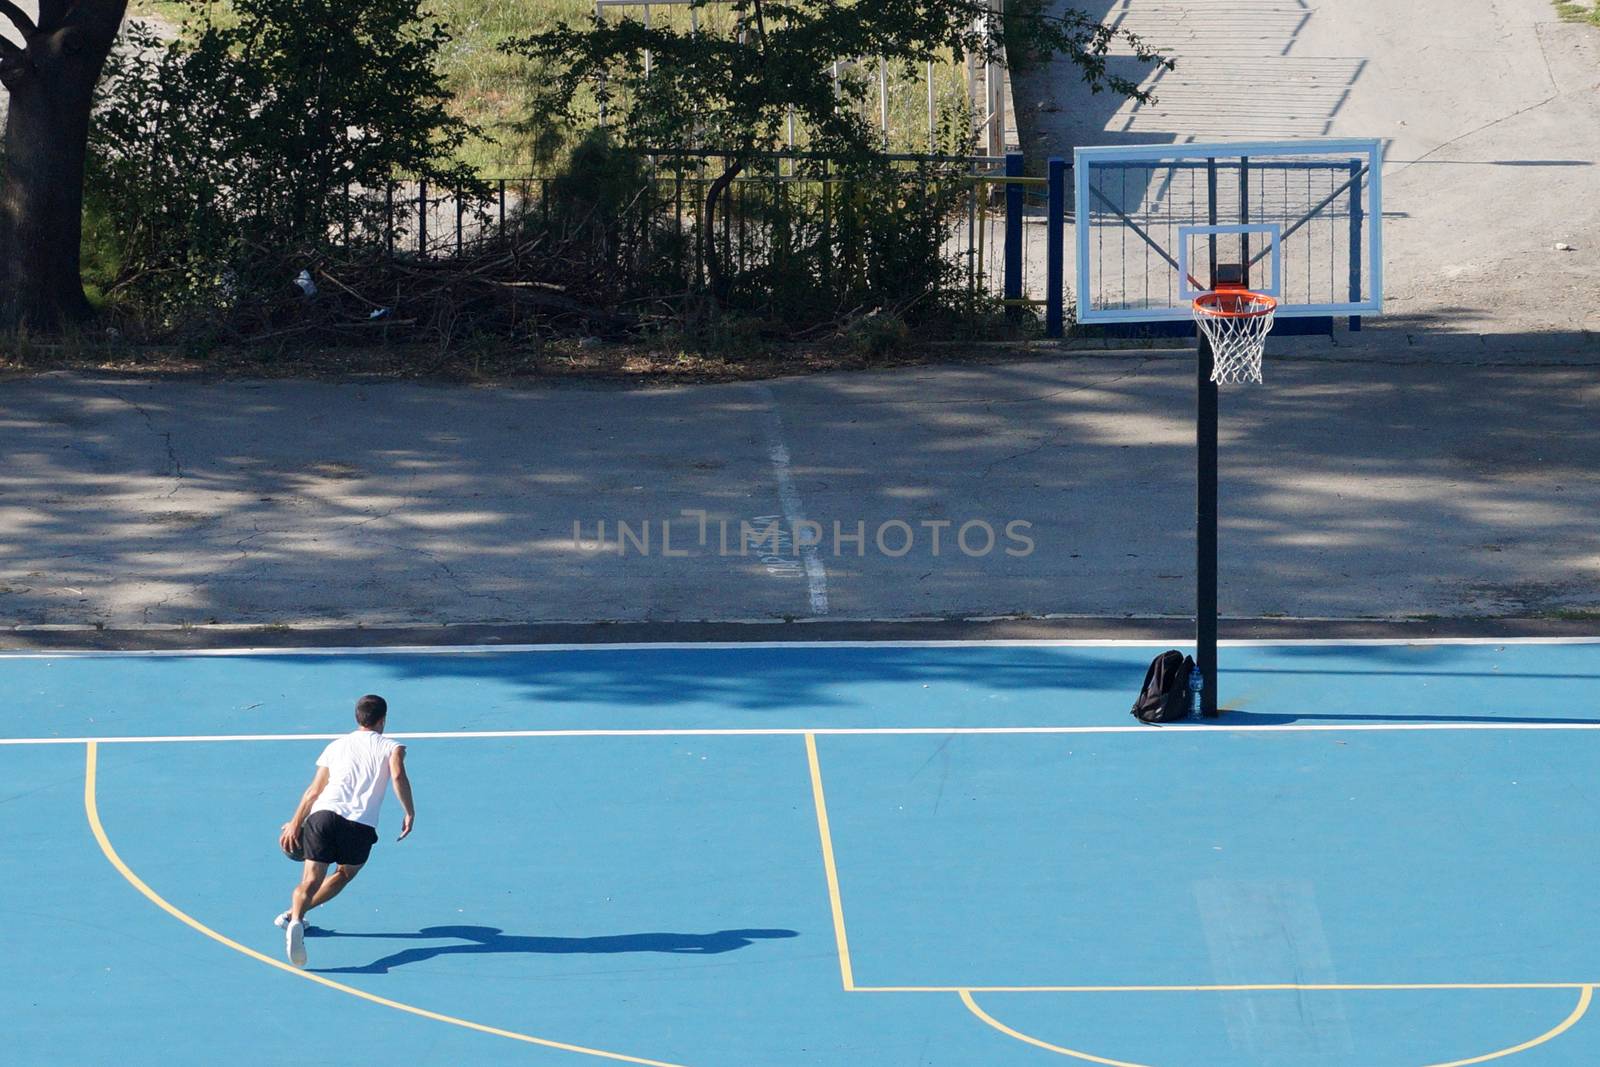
{"x":692,"y":646}
{"x":282,"y":625}
{"x":789,"y":498}
{"x":1217,"y":730}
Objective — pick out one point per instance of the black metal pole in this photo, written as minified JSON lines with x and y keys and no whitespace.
{"x":1205,"y":528}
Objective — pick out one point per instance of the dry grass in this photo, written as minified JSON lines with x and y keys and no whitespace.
{"x":1579,"y":10}
{"x":491,"y":88}
{"x":486,"y":364}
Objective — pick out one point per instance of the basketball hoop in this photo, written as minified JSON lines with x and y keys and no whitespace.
{"x":1237,"y":322}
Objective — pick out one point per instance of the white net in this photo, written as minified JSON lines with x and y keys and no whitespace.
{"x":1237,"y":322}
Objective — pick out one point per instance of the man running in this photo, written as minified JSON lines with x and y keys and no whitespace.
{"x":337,"y":820}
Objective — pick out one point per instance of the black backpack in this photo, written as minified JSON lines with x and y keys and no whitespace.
{"x":1165,"y":696}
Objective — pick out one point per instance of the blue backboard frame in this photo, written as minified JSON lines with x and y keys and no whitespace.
{"x":1364,"y":157}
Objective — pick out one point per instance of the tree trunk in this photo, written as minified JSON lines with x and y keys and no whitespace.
{"x":52,"y":82}
{"x":721,"y":287}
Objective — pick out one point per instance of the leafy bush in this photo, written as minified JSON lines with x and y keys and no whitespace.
{"x":801,"y":251}
{"x":599,"y":185}
{"x":845,"y":242}
{"x":225,"y":158}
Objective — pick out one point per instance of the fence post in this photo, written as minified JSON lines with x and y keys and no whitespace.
{"x":847,"y":236}
{"x":1055,"y":250}
{"x":1357,"y":231}
{"x":677,"y":216}
{"x":779,"y":200}
{"x":422,"y":220}
{"x":1012,"y":269}
{"x":825,"y":266}
{"x":974,"y":263}
{"x":700,"y":245}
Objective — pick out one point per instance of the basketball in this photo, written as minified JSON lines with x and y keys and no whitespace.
{"x":297,"y":853}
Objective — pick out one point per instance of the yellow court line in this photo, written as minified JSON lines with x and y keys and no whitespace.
{"x":1556,"y":1031}
{"x":827,"y":862}
{"x":1584,"y":997}
{"x":972,"y":1006}
{"x":92,"y":810}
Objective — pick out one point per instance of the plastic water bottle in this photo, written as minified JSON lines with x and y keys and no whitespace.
{"x":1197,"y":684}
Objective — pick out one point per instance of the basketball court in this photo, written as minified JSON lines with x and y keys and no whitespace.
{"x":1358,"y":853}
{"x":890,"y":853}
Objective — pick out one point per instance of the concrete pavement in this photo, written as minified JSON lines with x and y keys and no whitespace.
{"x":1489,"y":110}
{"x":1429,"y":486}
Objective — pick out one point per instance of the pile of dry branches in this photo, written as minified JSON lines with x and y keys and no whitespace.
{"x":522,"y":285}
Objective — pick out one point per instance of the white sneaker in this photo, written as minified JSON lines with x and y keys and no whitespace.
{"x":281,"y":921}
{"x":295,"y":937}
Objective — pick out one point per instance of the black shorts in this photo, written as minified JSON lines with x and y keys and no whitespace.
{"x":328,"y":837}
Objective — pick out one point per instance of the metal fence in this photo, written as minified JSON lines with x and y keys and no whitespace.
{"x":1003,"y":235}
{"x":791,"y":215}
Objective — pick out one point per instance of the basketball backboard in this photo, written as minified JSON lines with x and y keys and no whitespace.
{"x":1156,"y":225}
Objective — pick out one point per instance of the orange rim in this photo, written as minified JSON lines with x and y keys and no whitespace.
{"x":1234,"y":304}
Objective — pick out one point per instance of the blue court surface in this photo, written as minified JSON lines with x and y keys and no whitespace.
{"x":947,"y":854}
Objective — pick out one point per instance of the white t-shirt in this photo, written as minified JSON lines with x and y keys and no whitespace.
{"x":358,"y":774}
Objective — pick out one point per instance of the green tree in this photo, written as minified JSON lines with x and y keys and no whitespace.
{"x":733,"y":92}
{"x":216,"y":154}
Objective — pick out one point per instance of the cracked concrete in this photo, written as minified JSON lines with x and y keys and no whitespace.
{"x":1425,"y":487}
{"x":174,"y":464}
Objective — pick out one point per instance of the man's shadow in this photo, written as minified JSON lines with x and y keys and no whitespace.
{"x":486,"y":939}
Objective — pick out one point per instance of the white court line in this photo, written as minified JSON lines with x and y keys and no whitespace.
{"x":836,"y":731}
{"x":689,"y":646}
{"x":789,"y":498}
